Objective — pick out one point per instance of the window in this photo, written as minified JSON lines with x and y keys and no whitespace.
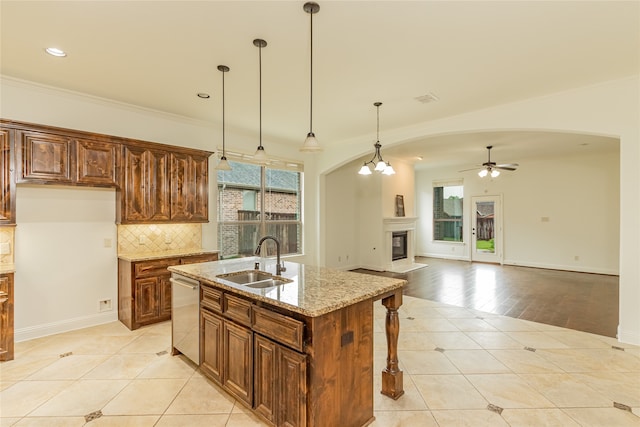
{"x":255,"y":201}
{"x":447,"y":211}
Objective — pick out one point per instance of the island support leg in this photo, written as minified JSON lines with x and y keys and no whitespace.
{"x":392,"y":375}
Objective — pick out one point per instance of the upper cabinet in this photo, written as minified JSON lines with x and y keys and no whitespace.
{"x":155,"y":183}
{"x":144,"y":196}
{"x":163,"y":186}
{"x":7,"y":183}
{"x":56,"y":158}
{"x":189,"y":187}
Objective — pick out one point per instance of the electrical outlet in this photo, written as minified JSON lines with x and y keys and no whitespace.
{"x":167,"y":238}
{"x":105,"y":305}
{"x":339,"y":258}
{"x":142,"y":240}
{"x":107,"y":243}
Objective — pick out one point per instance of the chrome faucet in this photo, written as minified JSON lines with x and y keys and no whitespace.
{"x":279,"y":267}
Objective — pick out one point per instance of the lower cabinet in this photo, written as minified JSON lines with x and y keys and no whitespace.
{"x":280,"y":383}
{"x":6,"y":316}
{"x":144,"y":289}
{"x":267,"y":376}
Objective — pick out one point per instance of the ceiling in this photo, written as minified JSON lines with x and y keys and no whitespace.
{"x":471,"y":55}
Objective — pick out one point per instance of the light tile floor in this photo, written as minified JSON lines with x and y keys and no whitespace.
{"x":461,"y":368}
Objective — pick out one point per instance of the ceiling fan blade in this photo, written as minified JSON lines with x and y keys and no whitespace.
{"x":506,"y":167}
{"x":471,"y":169}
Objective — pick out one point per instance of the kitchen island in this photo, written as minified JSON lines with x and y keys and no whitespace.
{"x":297,"y":350}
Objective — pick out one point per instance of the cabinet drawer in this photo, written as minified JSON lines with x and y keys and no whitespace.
{"x":198,"y":258}
{"x":155,"y":267}
{"x":278,"y":327}
{"x":211,"y":299}
{"x":237,"y":309}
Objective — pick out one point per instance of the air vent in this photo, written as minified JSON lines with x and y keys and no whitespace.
{"x":430,"y":97}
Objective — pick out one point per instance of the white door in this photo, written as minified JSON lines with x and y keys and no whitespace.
{"x":486,"y":229}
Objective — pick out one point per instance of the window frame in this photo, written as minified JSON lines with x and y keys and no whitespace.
{"x":459,"y":220}
{"x":264,"y":222}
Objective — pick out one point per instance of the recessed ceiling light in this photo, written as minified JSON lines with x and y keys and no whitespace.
{"x":55,"y":52}
{"x":203,"y":95}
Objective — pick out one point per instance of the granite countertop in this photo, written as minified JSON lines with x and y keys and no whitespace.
{"x":313,"y":291}
{"x":146,"y":256}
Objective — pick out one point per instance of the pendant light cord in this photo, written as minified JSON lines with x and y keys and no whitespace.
{"x":311,"y":82}
{"x":260,"y":89}
{"x":223,"y":155}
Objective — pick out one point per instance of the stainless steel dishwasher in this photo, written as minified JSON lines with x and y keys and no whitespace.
{"x":185,"y":316}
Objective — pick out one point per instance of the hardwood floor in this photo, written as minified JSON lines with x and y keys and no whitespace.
{"x":581,"y":301}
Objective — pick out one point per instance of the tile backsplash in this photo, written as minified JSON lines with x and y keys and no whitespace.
{"x":7,"y":242}
{"x":158,"y":237}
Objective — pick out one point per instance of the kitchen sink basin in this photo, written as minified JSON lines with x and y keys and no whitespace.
{"x":254,"y":279}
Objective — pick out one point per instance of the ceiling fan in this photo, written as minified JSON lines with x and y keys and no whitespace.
{"x":491,"y":168}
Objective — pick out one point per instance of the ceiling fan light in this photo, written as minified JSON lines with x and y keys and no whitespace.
{"x":311,"y":143}
{"x":365,"y":170}
{"x":495,"y":173}
{"x":482,"y":173}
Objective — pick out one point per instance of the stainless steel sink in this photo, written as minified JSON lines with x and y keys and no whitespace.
{"x":254,"y":279}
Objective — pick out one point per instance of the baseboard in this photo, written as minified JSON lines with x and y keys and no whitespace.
{"x":443,"y":256}
{"x":628,"y":337}
{"x":38,"y":331}
{"x":578,"y":269}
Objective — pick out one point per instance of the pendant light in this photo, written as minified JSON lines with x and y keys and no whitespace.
{"x":260,"y":156}
{"x":223,"y":165}
{"x":379,"y":164}
{"x":311,"y":143}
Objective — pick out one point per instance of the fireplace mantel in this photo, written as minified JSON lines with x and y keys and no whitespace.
{"x":400,"y":223}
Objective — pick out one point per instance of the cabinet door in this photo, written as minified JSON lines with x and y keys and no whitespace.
{"x":7,"y":183}
{"x":211,"y":342}
{"x":96,"y":163}
{"x":44,"y":157}
{"x":237,"y":373}
{"x":6,"y":317}
{"x":264,"y":376}
{"x":189,"y":187}
{"x":165,"y":296}
{"x":145,"y":196}
{"x":147,"y":300}
{"x":292,"y":387}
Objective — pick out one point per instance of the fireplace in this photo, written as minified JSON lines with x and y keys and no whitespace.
{"x":399,"y":245}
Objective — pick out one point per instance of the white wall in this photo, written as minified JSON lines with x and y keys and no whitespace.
{"x":65,"y":259}
{"x":610,"y":108}
{"x":579,"y":195}
{"x":28,"y":102}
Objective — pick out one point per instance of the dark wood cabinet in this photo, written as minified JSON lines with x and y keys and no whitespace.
{"x":144,"y":196}
{"x":305,"y":371}
{"x":7,"y":181}
{"x":163,"y":186}
{"x":44,"y":157}
{"x":55,"y":158}
{"x":280,"y":383}
{"x":144,"y":289}
{"x":266,"y":373}
{"x":6,"y":316}
{"x":237,"y":366}
{"x":97,"y":163}
{"x":211,"y":340}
